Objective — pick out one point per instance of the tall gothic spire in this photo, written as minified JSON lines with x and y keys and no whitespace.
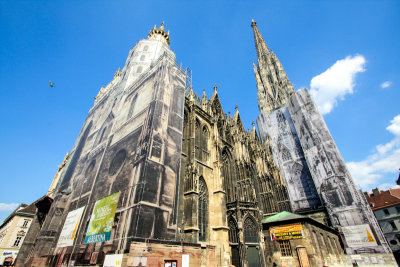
{"x":273,"y":85}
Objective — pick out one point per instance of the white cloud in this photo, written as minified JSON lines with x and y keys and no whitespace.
{"x":388,"y":186}
{"x":380,"y":169}
{"x":394,"y":128}
{"x":386,"y":84}
{"x":8,"y":206}
{"x":336,"y":82}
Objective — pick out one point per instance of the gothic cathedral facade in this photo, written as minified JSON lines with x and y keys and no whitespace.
{"x":188,"y":174}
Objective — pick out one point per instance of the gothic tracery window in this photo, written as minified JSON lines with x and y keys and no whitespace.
{"x":250,"y":231}
{"x":250,"y":191}
{"x":233,"y":231}
{"x":229,"y":174}
{"x":204,"y":143}
{"x":186,"y":137}
{"x":203,"y":209}
{"x":197,"y":140}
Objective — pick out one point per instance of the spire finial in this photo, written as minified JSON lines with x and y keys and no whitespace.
{"x":204,"y":94}
{"x":253,"y":23}
{"x":237,"y":108}
{"x":191,"y":94}
{"x":253,"y":123}
{"x":215,"y":87}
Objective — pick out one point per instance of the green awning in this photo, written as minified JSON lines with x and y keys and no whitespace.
{"x":283,"y":216}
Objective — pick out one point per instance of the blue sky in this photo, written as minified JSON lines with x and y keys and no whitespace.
{"x":347,"y":52}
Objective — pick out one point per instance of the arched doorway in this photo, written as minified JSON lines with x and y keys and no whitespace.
{"x":250,"y":230}
{"x":234,"y":242}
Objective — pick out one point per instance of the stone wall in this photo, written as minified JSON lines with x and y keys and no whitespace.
{"x":157,"y":254}
{"x":321,"y":245}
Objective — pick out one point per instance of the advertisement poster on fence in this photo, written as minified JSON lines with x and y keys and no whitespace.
{"x":102,"y":219}
{"x":70,"y":227}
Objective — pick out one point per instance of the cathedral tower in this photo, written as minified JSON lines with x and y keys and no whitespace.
{"x":315,"y":173}
{"x":129,"y":146}
{"x":273,"y":85}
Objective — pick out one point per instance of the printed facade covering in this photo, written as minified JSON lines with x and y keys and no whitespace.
{"x":305,"y":152}
{"x":129,"y":144}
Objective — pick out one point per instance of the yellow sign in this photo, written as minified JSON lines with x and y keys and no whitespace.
{"x":286,"y":232}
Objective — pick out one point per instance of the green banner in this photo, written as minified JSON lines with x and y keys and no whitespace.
{"x":102,"y":219}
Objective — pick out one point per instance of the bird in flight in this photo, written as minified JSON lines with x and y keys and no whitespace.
{"x":51,"y":84}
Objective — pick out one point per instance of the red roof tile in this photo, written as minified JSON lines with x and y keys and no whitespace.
{"x":384,"y":199}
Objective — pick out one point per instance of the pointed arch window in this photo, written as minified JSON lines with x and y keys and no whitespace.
{"x":197,"y":140}
{"x":234,"y":241}
{"x":316,"y":243}
{"x":204,"y":143}
{"x":322,"y":244}
{"x":203,"y":210}
{"x":139,"y":69}
{"x":250,"y":231}
{"x":229,"y":176}
{"x":233,"y":231}
{"x":142,"y":57}
{"x":145,"y":48}
{"x":186,"y":138}
{"x":269,"y":208}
